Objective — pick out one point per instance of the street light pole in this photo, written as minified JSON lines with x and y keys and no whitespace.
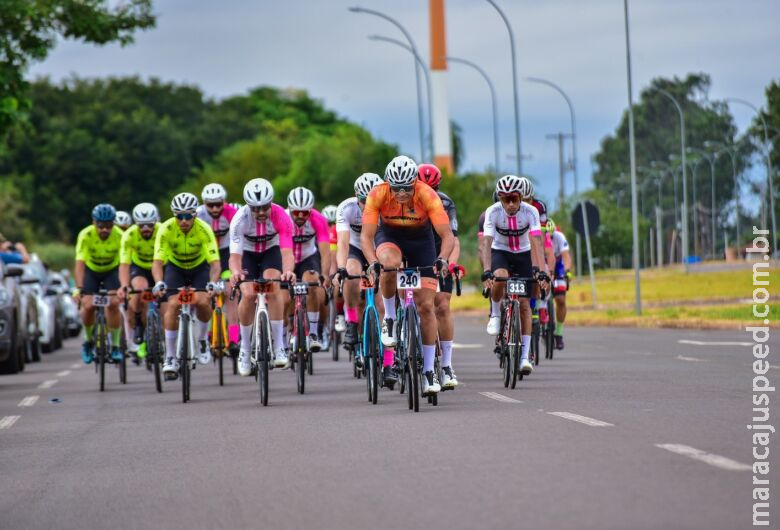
{"x":732,"y":152}
{"x":518,"y":151}
{"x":709,"y":157}
{"x":494,"y":104}
{"x":418,"y":63}
{"x":684,"y":179}
{"x":358,"y":9}
{"x":632,"y":158}
{"x":768,"y":169}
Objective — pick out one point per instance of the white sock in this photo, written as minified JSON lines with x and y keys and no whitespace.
{"x":429,"y":355}
{"x":314,"y":321}
{"x":130,"y":335}
{"x":446,"y":353}
{"x":277,"y":330}
{"x":389,"y":307}
{"x":495,"y":308}
{"x":525,"y":340}
{"x":170,"y":343}
{"x":246,"y":337}
{"x":202,"y":328}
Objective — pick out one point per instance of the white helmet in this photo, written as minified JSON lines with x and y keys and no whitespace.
{"x":145,"y":212}
{"x":330,"y":213}
{"x":300,"y":198}
{"x":184,"y":203}
{"x":509,"y":184}
{"x":123,"y":219}
{"x":526,"y":187}
{"x":365,"y":183}
{"x":214,"y":193}
{"x":401,"y":171}
{"x":258,"y":192}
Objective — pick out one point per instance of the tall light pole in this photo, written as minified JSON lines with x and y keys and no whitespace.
{"x":684,"y":179}
{"x":493,"y":102}
{"x":358,"y":9}
{"x":418,"y":63}
{"x":732,"y":152}
{"x":709,"y":157}
{"x":632,"y":157}
{"x":768,"y":169}
{"x":573,"y":148}
{"x":518,"y":151}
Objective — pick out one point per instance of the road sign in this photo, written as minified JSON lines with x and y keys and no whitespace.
{"x":591,"y":214}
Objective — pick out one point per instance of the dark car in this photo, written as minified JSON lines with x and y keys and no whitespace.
{"x":13,"y":321}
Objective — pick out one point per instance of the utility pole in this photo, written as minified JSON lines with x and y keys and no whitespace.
{"x":560,"y":137}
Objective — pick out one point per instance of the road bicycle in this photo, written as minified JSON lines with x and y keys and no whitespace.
{"x":509,"y":341}
{"x":186,"y":344}
{"x":300,"y":356}
{"x":220,"y":346}
{"x":101,"y":338}
{"x":336,"y":337}
{"x":153,"y":334}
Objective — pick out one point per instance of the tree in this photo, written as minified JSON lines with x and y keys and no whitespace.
{"x":30,"y":29}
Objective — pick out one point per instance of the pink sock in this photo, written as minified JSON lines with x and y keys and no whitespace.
{"x":388,"y":359}
{"x":352,"y":314}
{"x":234,"y":333}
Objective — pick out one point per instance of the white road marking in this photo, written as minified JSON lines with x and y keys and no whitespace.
{"x":8,"y":421}
{"x":63,"y":373}
{"x":703,"y":343}
{"x":29,"y":401}
{"x":702,"y":456}
{"x":75,"y":365}
{"x":772,"y":366}
{"x":581,"y":419}
{"x":692,"y":359}
{"x":459,"y":346}
{"x":48,"y":384}
{"x":499,"y":397}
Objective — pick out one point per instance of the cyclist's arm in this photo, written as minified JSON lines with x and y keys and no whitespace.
{"x":124,"y":274}
{"x":480,"y":245}
{"x":284,"y":227}
{"x":484,"y":253}
{"x":160,"y":253}
{"x":288,"y":260}
{"x":325,"y":256}
{"x":320,"y":225}
{"x":343,"y":249}
{"x":447,"y":239}
{"x":537,"y":251}
{"x":455,"y":254}
{"x":125,"y":257}
{"x":549,"y":257}
{"x":78,"y":273}
{"x":566,"y":257}
{"x":367,"y":235}
{"x":81,"y":258}
{"x":215,"y":271}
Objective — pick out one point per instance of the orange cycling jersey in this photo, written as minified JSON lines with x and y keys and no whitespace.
{"x":426,"y":205}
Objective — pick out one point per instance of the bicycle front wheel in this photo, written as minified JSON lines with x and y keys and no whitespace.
{"x":262,"y":355}
{"x":101,"y":350}
{"x":184,"y":358}
{"x":413,"y":351}
{"x":515,"y":343}
{"x":372,"y":378}
{"x":123,"y":362}
{"x":300,"y":351}
{"x":154,"y":348}
{"x":218,"y":342}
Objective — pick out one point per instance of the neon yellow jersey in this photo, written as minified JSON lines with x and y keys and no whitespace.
{"x":97,"y":254}
{"x":189,"y":250}
{"x":136,"y":249}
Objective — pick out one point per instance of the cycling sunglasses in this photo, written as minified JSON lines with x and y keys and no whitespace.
{"x":214,"y":205}
{"x":260,"y":208}
{"x":402,"y":189}
{"x":105,"y":226}
{"x":145,"y":225}
{"x":300,"y":213}
{"x":510,"y":198}
{"x":185,"y":216}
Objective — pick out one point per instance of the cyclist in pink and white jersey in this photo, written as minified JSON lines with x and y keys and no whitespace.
{"x":261,"y":247}
{"x":311,"y":249}
{"x":217,"y":213}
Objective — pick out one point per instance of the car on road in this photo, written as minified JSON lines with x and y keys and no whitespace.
{"x":72,"y":319}
{"x":13,"y":331}
{"x":51,"y":313}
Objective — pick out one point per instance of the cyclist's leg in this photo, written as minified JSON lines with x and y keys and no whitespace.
{"x":113,"y":316}
{"x":446,"y":325}
{"x":309,"y":270}
{"x":521,"y":265}
{"x":174,"y":278}
{"x":229,"y":307}
{"x":499,"y":267}
{"x":352,"y":297}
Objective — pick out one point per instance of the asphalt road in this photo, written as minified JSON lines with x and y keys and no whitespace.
{"x":576,"y":445}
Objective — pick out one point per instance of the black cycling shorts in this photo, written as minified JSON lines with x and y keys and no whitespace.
{"x":356,"y":253}
{"x":224,"y":258}
{"x":136,"y":271}
{"x":312,"y":263}
{"x":416,"y":245}
{"x":518,"y":264}
{"x":94,"y":281}
{"x":447,"y":284}
{"x":255,"y":263}
{"x":176,"y":277}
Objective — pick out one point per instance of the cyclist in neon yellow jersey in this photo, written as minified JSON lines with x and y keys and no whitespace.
{"x":135,"y":267}
{"x":97,"y":264}
{"x":189,"y":248}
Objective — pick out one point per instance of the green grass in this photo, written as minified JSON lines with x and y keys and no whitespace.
{"x":56,"y":255}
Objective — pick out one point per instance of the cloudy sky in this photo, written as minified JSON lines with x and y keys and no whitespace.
{"x":228,"y":46}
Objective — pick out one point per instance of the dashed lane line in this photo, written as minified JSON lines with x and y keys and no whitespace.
{"x":708,"y":458}
{"x":29,"y":401}
{"x":63,"y":373}
{"x":713,"y":343}
{"x":75,"y":365}
{"x":691,"y":359}
{"x":581,"y":419}
{"x":8,"y":421}
{"x":499,"y":397}
{"x":48,"y":384}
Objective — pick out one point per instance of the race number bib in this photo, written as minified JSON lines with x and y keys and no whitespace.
{"x":300,"y":289}
{"x":100,"y":300}
{"x":263,"y":288}
{"x":517,"y":287}
{"x":186,"y":298}
{"x":408,"y":280}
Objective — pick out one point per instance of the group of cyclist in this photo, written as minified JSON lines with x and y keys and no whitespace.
{"x":401,"y":221}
